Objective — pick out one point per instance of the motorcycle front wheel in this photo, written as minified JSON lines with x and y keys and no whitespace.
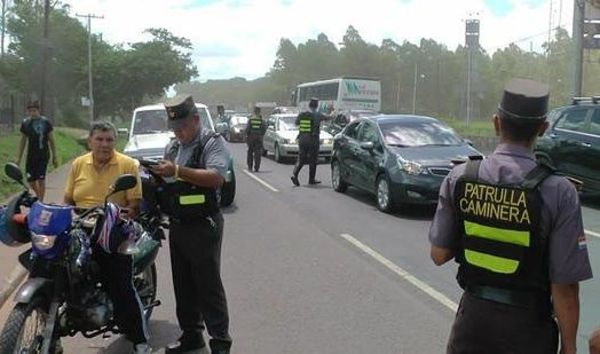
{"x":24,"y":329}
{"x":146,"y":284}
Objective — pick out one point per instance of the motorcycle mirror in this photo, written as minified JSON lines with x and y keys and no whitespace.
{"x":13,"y":171}
{"x":124,"y":182}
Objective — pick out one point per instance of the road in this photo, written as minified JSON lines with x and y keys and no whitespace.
{"x":309,"y":270}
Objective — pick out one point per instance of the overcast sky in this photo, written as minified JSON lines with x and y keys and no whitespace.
{"x":240,"y":37}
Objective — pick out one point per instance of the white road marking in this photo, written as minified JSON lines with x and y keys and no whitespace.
{"x":441,"y":298}
{"x":592,"y":233}
{"x":253,"y":176}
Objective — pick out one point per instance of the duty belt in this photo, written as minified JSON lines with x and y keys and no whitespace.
{"x":508,"y":297}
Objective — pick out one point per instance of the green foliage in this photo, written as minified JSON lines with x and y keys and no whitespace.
{"x":66,"y":149}
{"x":124,"y":75}
{"x":441,"y":75}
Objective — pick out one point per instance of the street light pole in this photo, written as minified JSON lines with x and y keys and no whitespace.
{"x":414,"y":110}
{"x":90,"y":81}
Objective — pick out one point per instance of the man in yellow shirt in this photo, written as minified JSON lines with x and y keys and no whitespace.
{"x":87,"y":185}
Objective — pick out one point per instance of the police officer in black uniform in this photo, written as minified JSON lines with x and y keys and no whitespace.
{"x":516,"y":231}
{"x":309,"y":123}
{"x":193,"y":170}
{"x":255,"y":131}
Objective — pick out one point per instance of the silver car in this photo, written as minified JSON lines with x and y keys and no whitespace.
{"x":281,"y":138}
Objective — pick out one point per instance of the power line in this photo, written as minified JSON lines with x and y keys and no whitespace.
{"x":90,"y":81}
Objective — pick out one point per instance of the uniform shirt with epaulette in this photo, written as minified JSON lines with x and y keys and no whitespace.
{"x":560,"y":218}
{"x":214,"y":154}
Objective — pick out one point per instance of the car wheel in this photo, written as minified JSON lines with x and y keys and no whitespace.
{"x":278,"y":156}
{"x":338,"y":183}
{"x":385,"y":200}
{"x":228,"y":191}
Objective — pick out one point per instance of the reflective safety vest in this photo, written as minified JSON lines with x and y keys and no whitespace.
{"x":256,"y":125}
{"x":305,"y":123}
{"x":501,"y":243}
{"x":184,"y":200}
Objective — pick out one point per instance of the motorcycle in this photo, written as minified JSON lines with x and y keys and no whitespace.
{"x":64,"y":295}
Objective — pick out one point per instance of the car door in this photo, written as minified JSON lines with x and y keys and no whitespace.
{"x":347,"y":152}
{"x":590,"y":142}
{"x":569,"y":132}
{"x":368,"y":159}
{"x":269,"y":137}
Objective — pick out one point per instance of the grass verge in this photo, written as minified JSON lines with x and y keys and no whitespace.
{"x":67,"y":147}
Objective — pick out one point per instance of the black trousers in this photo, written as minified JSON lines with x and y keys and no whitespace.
{"x":308,"y":154}
{"x":255,"y":147}
{"x":117,"y":277}
{"x":196,"y":266}
{"x":483,"y":326}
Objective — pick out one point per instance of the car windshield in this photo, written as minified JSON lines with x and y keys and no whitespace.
{"x":150,"y":122}
{"x":155,"y":121}
{"x":238,"y":120}
{"x":415,"y":134}
{"x":287,"y":123}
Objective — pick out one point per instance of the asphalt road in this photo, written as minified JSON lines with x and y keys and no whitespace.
{"x":309,"y":270}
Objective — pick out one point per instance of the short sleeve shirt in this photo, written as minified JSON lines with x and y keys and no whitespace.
{"x":561,"y":217}
{"x":214,"y":156}
{"x":88,"y":186}
{"x":37,"y":130}
{"x":316,"y":118}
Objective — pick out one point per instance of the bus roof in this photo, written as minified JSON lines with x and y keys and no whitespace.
{"x":329,"y":81}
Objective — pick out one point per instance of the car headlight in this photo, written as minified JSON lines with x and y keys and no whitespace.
{"x":327,"y":141}
{"x":43,"y":242}
{"x":410,"y":167}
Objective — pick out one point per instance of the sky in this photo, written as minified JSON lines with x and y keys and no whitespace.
{"x":239,"y":38}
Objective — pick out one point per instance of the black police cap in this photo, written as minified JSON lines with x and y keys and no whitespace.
{"x":180,"y":107}
{"x":524,"y":99}
{"x":314,"y":102}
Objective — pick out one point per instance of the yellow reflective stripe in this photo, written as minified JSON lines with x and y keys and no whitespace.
{"x":492,"y":263}
{"x":521,"y":238}
{"x":192,"y":199}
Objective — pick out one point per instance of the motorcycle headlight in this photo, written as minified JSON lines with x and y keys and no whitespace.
{"x":42,"y":242}
{"x":236,"y":129}
{"x":410,"y":167}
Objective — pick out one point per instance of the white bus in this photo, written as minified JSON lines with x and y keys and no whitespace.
{"x":344,"y":93}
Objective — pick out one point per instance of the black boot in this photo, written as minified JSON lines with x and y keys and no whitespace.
{"x":220,"y":346}
{"x":186,"y":343}
{"x":295,"y":180}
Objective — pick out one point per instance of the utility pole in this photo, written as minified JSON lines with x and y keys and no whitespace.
{"x":45,"y":44}
{"x":472,"y":44}
{"x":414,"y":110}
{"x":578,"y":16}
{"x":3,"y":25}
{"x":90,"y":81}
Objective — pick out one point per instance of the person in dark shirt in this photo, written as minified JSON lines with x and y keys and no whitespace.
{"x":37,"y":134}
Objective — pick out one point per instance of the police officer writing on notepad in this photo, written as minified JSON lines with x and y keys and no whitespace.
{"x":195,"y":166}
{"x":516,"y":231}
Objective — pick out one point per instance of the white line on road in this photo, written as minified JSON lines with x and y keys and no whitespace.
{"x":443,"y":299}
{"x":253,"y":176}
{"x":592,"y":233}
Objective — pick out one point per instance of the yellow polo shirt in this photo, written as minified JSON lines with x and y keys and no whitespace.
{"x":88,"y":186}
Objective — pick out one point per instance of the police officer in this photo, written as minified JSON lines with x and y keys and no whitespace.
{"x":309,"y":123}
{"x":516,"y":231}
{"x":255,"y":131}
{"x":193,"y":169}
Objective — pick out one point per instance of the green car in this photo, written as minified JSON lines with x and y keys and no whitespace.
{"x":401,"y":159}
{"x":572,"y":143}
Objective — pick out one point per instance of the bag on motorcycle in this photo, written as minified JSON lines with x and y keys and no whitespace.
{"x":114,"y":231}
